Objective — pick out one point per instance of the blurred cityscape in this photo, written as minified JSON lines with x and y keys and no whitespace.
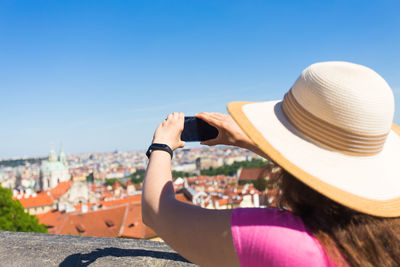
{"x":99,"y":194}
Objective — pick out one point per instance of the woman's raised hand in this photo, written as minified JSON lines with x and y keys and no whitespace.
{"x":229,"y":133}
{"x":169,"y":131}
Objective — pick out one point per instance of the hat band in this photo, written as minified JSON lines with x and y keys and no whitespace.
{"x":330,"y":135}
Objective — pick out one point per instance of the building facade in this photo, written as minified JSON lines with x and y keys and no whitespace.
{"x":53,"y":171}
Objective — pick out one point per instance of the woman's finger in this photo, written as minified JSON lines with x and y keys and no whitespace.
{"x":202,"y":115}
{"x":211,"y":142}
{"x":182,"y":144}
{"x":207,"y":118}
{"x":175,"y":115}
{"x":218,"y":116}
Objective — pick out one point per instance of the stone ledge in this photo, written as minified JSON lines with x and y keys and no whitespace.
{"x":31,"y":249}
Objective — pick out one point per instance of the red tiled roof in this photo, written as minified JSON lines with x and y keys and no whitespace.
{"x":60,"y":189}
{"x":182,"y":197}
{"x":223,"y":201}
{"x":252,"y":174}
{"x":93,"y":223}
{"x":51,"y":218}
{"x":46,"y":198}
{"x":116,"y":218}
{"x":41,"y":199}
{"x":128,"y":199}
{"x":117,"y":221}
{"x":133,"y":226}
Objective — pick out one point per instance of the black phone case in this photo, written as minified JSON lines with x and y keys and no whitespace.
{"x":196,"y":130}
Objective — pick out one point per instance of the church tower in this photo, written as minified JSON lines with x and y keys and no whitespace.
{"x":52,"y":155}
{"x":62,"y":158}
{"x":54,"y":170}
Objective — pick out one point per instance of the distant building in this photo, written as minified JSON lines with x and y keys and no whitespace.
{"x":130,"y":188}
{"x":204,"y":163}
{"x":37,"y":203}
{"x":185,"y":167}
{"x":78,"y":192}
{"x":53,"y":171}
{"x":253,"y":174}
{"x":44,"y":201}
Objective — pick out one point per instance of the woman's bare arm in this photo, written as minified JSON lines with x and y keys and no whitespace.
{"x":200,"y":235}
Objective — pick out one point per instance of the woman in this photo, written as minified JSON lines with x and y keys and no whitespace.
{"x":334,"y":139}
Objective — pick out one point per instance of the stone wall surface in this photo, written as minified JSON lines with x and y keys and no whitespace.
{"x":30,"y":249}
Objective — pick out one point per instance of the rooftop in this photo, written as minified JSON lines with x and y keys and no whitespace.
{"x":37,"y":200}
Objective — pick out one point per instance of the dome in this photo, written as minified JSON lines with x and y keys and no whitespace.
{"x":50,"y":166}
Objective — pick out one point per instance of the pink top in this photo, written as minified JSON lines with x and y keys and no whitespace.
{"x":272,"y":237}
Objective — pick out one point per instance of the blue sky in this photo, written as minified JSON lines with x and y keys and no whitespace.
{"x":100,"y":75}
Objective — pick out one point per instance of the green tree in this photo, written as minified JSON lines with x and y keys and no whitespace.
{"x":20,"y":162}
{"x":137,"y":177}
{"x":176,"y":174}
{"x":230,"y":170}
{"x":111,"y":181}
{"x":90,"y":178}
{"x":14,"y":218}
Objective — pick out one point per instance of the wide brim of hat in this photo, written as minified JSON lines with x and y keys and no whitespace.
{"x":368,"y":184}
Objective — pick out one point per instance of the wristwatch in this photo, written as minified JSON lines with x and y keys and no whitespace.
{"x":157,"y":146}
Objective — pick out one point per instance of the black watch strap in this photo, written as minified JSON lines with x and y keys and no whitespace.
{"x":156,"y":146}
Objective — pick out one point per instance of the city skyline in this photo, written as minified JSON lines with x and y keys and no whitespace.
{"x":100,"y":76}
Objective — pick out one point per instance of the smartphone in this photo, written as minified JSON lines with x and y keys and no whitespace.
{"x":195,"y":130}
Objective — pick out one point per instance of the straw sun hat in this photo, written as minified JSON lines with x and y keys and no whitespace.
{"x":333,"y":131}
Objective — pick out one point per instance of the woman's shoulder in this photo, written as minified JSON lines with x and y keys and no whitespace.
{"x":274,"y":236}
{"x":265,"y":216}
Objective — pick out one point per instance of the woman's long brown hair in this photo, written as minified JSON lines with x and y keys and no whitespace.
{"x":349,"y":238}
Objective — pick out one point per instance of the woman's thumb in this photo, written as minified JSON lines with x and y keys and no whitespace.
{"x":182,"y":144}
{"x":211,"y":142}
